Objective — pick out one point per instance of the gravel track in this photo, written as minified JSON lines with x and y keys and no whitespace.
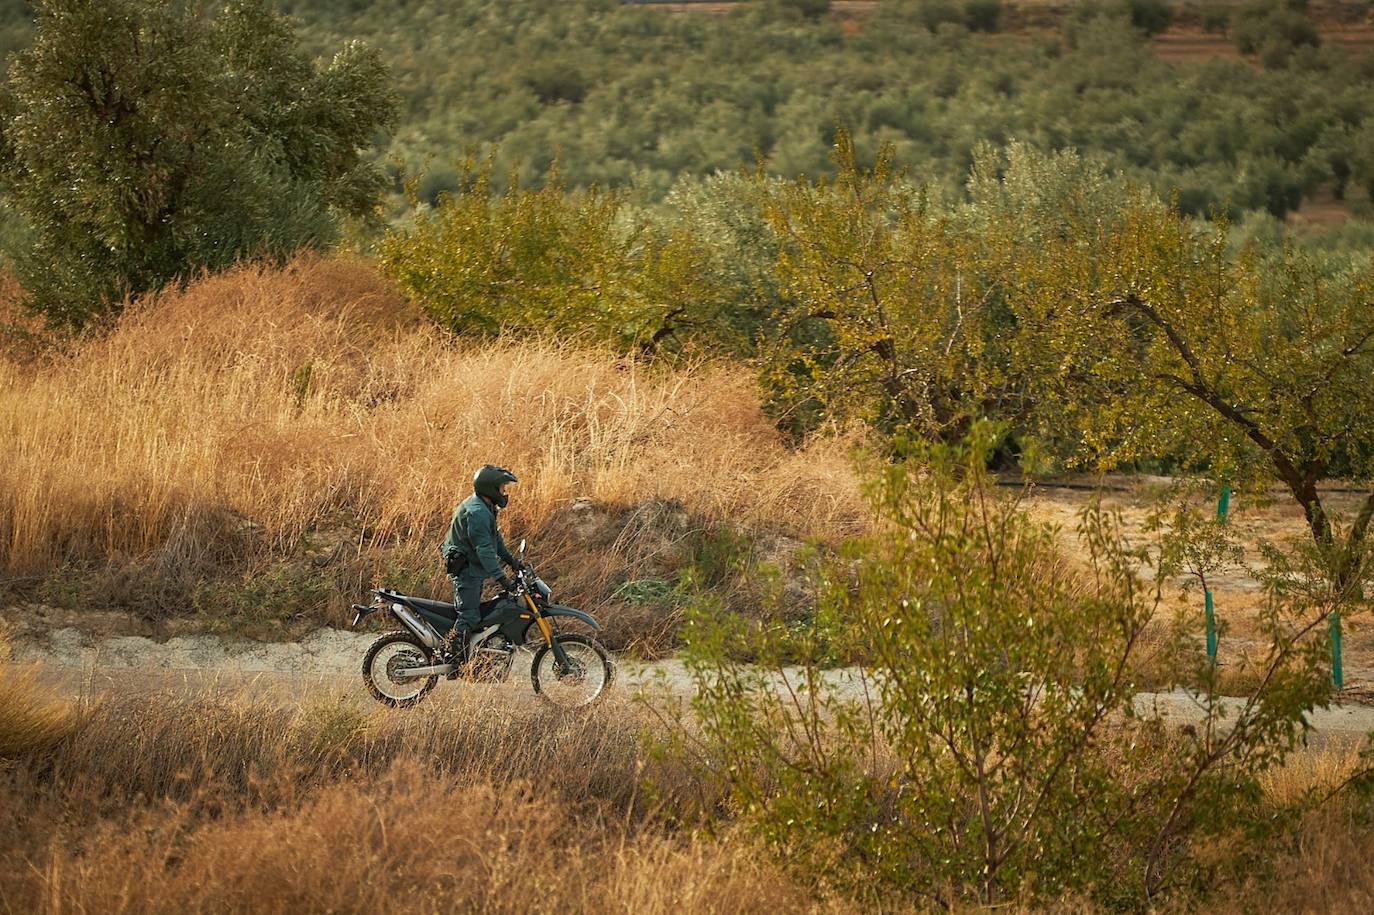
{"x":324,"y":666}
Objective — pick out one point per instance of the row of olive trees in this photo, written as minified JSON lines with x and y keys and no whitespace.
{"x":635,"y":96}
{"x":1099,"y":324}
{"x":141,"y":140}
{"x":1103,"y":325}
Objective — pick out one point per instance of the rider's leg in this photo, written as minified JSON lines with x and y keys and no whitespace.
{"x":467,"y":598}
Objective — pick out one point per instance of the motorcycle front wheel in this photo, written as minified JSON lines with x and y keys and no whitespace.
{"x":383,"y":662}
{"x":587,"y":679}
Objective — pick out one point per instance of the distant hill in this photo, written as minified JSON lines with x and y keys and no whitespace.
{"x":638,"y":94}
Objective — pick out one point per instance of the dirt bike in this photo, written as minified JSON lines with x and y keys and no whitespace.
{"x":568,"y":669}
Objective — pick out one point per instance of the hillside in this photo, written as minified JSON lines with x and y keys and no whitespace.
{"x":253,"y":453}
{"x":639,"y":95}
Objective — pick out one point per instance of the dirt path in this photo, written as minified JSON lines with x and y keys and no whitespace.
{"x":323,"y":668}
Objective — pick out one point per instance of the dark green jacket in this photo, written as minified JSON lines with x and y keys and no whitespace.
{"x":473,"y":533}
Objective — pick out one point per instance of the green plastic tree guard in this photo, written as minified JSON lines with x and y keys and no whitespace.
{"x":1223,"y":507}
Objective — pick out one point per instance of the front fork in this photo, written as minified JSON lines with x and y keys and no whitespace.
{"x":546,"y":629}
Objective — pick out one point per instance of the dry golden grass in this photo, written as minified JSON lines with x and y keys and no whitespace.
{"x":31,"y":718}
{"x":220,"y":425}
{"x":167,"y":803}
{"x":403,"y":843}
{"x":171,"y":802}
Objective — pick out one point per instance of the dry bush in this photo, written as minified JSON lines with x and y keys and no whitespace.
{"x":32,"y":719}
{"x":260,"y":412}
{"x":254,"y":752}
{"x":1324,"y":868}
{"x":164,"y":803}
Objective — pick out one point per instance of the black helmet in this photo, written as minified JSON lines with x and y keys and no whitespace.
{"x":488,"y":480}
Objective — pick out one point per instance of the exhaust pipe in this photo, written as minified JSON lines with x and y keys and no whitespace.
{"x":423,"y":630}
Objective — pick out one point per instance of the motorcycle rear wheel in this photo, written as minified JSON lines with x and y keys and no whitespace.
{"x":577,"y":688}
{"x":391,"y":652}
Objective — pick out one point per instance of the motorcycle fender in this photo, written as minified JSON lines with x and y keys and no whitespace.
{"x":560,"y":610}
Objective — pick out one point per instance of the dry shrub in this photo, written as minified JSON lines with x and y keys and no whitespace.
{"x":1313,"y":774}
{"x":226,"y":424}
{"x":409,"y":841}
{"x":255,"y":752}
{"x":1325,"y":868}
{"x":164,"y":803}
{"x":32,"y":719}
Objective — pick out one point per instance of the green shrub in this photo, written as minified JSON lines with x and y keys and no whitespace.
{"x":1215,"y":15}
{"x":557,"y":79}
{"x":580,"y":264}
{"x":990,"y":748}
{"x":1151,"y":16}
{"x":1273,"y":29}
{"x":983,"y":15}
{"x":806,"y":9}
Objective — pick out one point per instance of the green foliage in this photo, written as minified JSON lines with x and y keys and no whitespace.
{"x":1215,"y":15}
{"x":990,"y":747}
{"x":580,"y":264}
{"x":1146,"y":335}
{"x":879,"y":321}
{"x":143,"y":140}
{"x":983,"y":15}
{"x":975,"y":15}
{"x":1150,"y":16}
{"x":663,"y":96}
{"x":1273,"y":29}
{"x":807,"y":9}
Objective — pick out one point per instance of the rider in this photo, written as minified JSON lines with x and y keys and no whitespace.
{"x":473,"y":551}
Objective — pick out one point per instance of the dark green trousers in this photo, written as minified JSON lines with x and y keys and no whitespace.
{"x":467,"y":596}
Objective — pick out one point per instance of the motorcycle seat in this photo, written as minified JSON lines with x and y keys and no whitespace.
{"x":433,"y":606}
{"x":438,"y":608}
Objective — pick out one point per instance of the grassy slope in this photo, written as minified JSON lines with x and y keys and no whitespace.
{"x":268,"y":443}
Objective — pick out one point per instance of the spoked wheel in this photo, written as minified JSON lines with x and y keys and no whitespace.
{"x":382,"y":666}
{"x":587,"y":680}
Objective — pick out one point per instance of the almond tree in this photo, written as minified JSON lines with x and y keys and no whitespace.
{"x":1140,"y":332}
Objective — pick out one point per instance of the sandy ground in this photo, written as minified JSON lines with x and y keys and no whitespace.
{"x":324,"y":668}
{"x":1237,"y":593}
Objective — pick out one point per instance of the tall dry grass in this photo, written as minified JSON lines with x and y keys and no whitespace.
{"x":224,"y":423}
{"x":31,"y":717}
{"x":173,"y":803}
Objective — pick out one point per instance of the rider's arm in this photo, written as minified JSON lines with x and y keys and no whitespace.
{"x":504,"y":553}
{"x":482,"y":534}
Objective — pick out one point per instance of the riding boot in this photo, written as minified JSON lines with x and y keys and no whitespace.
{"x":455,"y":644}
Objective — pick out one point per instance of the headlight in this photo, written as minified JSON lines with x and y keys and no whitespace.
{"x":543,"y":588}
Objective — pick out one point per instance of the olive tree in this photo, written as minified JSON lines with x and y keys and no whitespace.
{"x":582,"y":264}
{"x":145,"y":139}
{"x":880,"y":317}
